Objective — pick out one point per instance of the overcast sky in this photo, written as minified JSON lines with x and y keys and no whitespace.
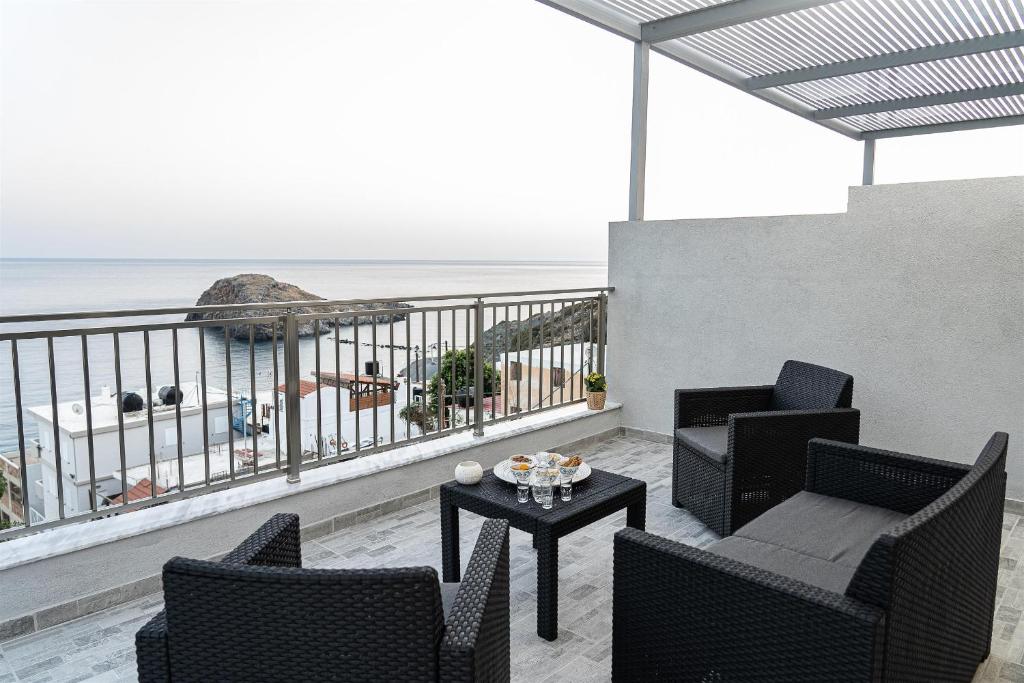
{"x":401,"y":129}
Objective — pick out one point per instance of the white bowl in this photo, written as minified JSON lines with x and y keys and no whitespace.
{"x":469,"y":472}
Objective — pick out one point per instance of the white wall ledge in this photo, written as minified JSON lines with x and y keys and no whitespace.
{"x":73,"y":537}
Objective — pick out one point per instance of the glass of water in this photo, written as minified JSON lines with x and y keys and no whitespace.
{"x":565,"y":476}
{"x":544,"y":487}
{"x":522,"y":483}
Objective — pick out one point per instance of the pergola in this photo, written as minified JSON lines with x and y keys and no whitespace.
{"x":867,"y":69}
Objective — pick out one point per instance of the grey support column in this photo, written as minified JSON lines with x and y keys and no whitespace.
{"x":638,"y":135}
{"x":869,"y":163}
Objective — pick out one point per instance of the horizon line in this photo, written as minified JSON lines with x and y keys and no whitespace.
{"x":299,"y":260}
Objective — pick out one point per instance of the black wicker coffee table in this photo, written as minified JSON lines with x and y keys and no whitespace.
{"x":599,"y":495}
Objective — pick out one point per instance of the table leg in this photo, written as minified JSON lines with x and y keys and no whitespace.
{"x":636,"y":514}
{"x":547,"y":584}
{"x":450,"y":567}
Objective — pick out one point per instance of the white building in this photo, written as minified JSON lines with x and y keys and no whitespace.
{"x":74,"y":449}
{"x":543,"y":376}
{"x":387,"y":402}
{"x":222,"y":461}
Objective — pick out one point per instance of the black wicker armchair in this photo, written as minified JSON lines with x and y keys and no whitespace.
{"x":883,"y":569}
{"x":738,"y":451}
{"x":258,"y":616}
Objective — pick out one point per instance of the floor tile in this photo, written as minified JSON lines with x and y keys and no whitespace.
{"x":100,"y":647}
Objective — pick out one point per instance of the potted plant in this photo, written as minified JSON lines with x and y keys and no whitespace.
{"x":597,"y":390}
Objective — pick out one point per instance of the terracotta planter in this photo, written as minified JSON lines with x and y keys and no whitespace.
{"x":595,"y":399}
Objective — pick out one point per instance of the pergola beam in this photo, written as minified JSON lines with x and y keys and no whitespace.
{"x":611,"y":19}
{"x":621,"y":25}
{"x":921,"y":101}
{"x":950,"y":127}
{"x":702,"y":63}
{"x":720,"y":16}
{"x":592,"y":13}
{"x":960,"y":48}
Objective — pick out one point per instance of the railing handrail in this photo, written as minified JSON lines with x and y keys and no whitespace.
{"x":580,"y":324}
{"x":316,"y":303}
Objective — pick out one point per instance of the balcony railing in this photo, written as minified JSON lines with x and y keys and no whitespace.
{"x":267,"y":400}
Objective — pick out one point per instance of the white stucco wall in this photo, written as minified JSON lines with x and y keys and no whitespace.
{"x":917,"y":291}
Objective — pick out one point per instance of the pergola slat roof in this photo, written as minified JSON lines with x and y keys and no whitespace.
{"x":865,"y":68}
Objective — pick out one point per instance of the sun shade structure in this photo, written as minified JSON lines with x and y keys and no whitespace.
{"x":868,"y":69}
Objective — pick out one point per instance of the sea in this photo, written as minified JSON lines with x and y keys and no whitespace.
{"x":38,"y":286}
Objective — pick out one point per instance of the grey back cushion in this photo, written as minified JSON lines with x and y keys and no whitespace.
{"x":805,"y":386}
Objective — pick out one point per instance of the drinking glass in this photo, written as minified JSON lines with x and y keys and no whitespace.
{"x":565,"y":475}
{"x":544,"y":487}
{"x":522,"y":484}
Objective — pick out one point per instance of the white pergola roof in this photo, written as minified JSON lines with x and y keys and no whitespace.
{"x":865,"y":68}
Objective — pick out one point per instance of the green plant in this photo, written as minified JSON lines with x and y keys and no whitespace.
{"x":457,"y":370}
{"x":596,"y":382}
{"x":3,"y":485}
{"x":415,"y":414}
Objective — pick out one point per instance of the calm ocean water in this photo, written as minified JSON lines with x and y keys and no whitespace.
{"x":46,"y":286}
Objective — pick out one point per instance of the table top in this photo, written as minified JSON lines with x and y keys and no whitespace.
{"x":499,"y":497}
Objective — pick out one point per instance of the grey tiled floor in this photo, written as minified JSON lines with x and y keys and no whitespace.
{"x":100,"y":647}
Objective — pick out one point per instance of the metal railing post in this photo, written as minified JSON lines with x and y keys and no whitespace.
{"x":602,"y":329}
{"x":478,"y":370}
{"x":292,"y":404}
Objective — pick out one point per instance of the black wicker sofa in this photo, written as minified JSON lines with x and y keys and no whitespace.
{"x":883,"y":569}
{"x":738,"y":451}
{"x":258,"y":616}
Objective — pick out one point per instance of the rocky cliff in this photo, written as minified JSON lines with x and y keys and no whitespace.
{"x":254,"y":288}
{"x":572,"y":324}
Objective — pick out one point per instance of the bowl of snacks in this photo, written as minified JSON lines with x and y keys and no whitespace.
{"x":506,"y":470}
{"x":568,"y":467}
{"x":522,"y":472}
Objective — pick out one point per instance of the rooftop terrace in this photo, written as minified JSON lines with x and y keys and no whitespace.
{"x":915,"y":291}
{"x":100,"y":647}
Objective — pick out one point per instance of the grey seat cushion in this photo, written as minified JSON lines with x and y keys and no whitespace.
{"x":448,"y":592}
{"x":713,"y":442}
{"x":810,"y":537}
{"x":778,"y":560}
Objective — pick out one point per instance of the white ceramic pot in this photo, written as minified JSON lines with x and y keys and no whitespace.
{"x":468,"y":472}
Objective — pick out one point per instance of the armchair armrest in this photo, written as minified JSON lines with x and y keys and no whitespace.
{"x":901,"y":482}
{"x":710,"y":407}
{"x":476,"y":641}
{"x":275,"y":544}
{"x":682,"y":613}
{"x":151,"y":650}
